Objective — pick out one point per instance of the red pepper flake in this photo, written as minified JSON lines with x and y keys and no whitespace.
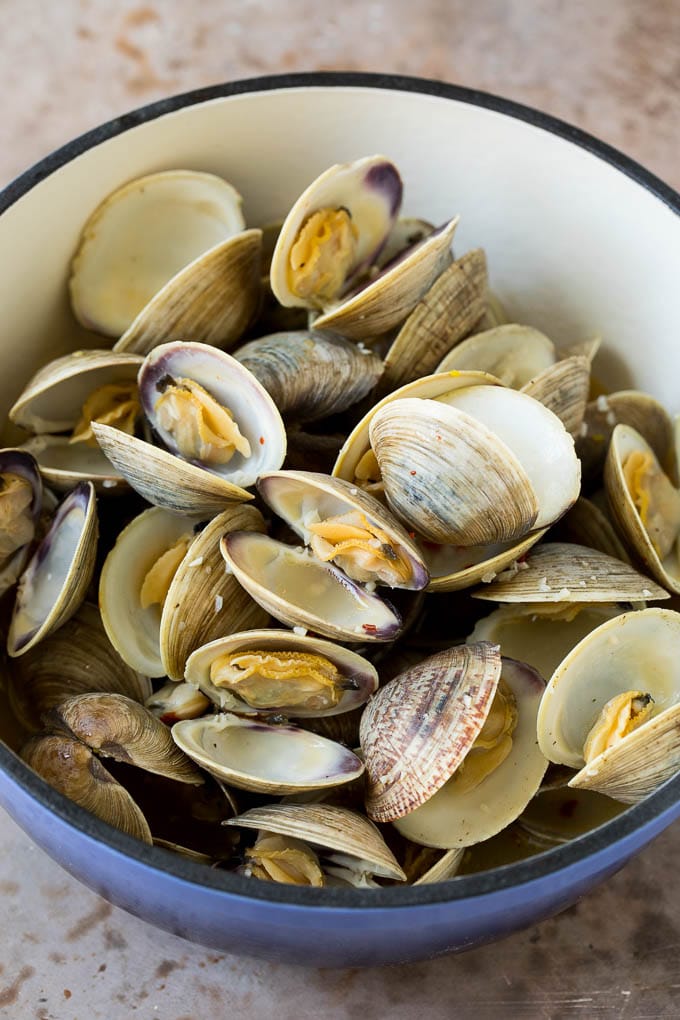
{"x":261,"y":440}
{"x":438,"y":438}
{"x":370,"y":628}
{"x":411,"y":534}
{"x":411,"y":472}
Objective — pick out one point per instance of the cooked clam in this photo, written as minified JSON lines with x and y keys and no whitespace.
{"x":20,"y":506}
{"x":513,"y":353}
{"x":638,"y":410}
{"x":175,"y":701}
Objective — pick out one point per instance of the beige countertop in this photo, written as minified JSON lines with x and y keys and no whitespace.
{"x":609,"y":66}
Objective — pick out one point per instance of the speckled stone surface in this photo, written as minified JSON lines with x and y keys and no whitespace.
{"x":613,"y":68}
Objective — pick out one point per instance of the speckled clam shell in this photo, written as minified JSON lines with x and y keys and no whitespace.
{"x":214,"y":299}
{"x":233,"y":386}
{"x":56,"y":579}
{"x":204,"y":602}
{"x":141,"y":236}
{"x":388,"y":298}
{"x":21,"y":463}
{"x":120,"y":728}
{"x":513,"y":353}
{"x":635,"y":651}
{"x":453,"y":568}
{"x":419,"y":727}
{"x":563,"y":388}
{"x":566,"y":572}
{"x":311,"y":375}
{"x":638,"y":410}
{"x":332,"y":828}
{"x":74,"y":771}
{"x":265,"y":759}
{"x":451,"y":819}
{"x":52,"y":399}
{"x":624,"y":512}
{"x":75,"y":659}
{"x":370,"y":189}
{"x":299,"y":590}
{"x":301,"y":496}
{"x":446,"y":313}
{"x":359,"y":674}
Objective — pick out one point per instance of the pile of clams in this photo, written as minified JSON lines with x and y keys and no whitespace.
{"x":248,"y":539}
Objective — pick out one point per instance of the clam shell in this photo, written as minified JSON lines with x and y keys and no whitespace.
{"x":214,"y":299}
{"x":203,"y":601}
{"x":453,"y":568}
{"x":22,"y":464}
{"x":71,"y":768}
{"x":419,"y":727}
{"x":451,"y":819}
{"x":175,"y":701}
{"x":513,"y":353}
{"x":141,"y":236}
{"x":63,"y":464}
{"x":265,"y":759}
{"x":299,"y":590}
{"x":120,"y":728}
{"x":629,"y":407}
{"x":75,"y":659}
{"x":445,"y":868}
{"x":311,"y":375}
{"x":585,"y":524}
{"x":563,"y":388}
{"x":361,"y":677}
{"x":231,"y":385}
{"x":370,"y":189}
{"x":636,"y":651}
{"x":52,"y":399}
{"x":329,"y":827}
{"x":566,"y":572}
{"x":446,"y":313}
{"x":406,"y":232}
{"x":302,"y":498}
{"x":385,"y":302}
{"x":53,"y":585}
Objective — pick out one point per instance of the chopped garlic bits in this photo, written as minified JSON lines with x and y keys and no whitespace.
{"x":619,"y":717}
{"x":201,"y":427}
{"x":322,"y":255}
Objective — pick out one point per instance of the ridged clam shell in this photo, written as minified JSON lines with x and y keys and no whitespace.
{"x":563,"y":388}
{"x":265,"y":759}
{"x":71,"y":769}
{"x":323,"y":825}
{"x":450,"y":477}
{"x":75,"y":659}
{"x":56,"y":579}
{"x":453,"y":568}
{"x":122,"y":729}
{"x":20,"y":463}
{"x":445,"y":868}
{"x":629,"y":407}
{"x":203,"y":601}
{"x":586,"y":524}
{"x":419,"y":727}
{"x":566,"y":572}
{"x":443,"y":316}
{"x":311,"y":375}
{"x":513,"y":353}
{"x":406,"y":232}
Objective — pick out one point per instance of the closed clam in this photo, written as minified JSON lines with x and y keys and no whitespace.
{"x":587,"y":524}
{"x":268,"y":672}
{"x":611,"y":708}
{"x":55,"y":581}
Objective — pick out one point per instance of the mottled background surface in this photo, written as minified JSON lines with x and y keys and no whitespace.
{"x":613,"y":68}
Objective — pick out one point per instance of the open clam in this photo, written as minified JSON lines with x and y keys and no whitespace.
{"x":274,"y":671}
{"x":55,"y":581}
{"x":513,"y":353}
{"x":612,"y":707}
{"x":20,"y":506}
{"x":639,"y":411}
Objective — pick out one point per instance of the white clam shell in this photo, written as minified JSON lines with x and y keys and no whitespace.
{"x":513,"y":353}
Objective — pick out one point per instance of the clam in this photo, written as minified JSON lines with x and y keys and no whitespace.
{"x":298,"y":589}
{"x":513,"y":353}
{"x":541,"y":634}
{"x":498,"y":776}
{"x":311,"y":375}
{"x":629,"y":407}
{"x":406,"y":232}
{"x":175,"y":701}
{"x":278,"y":672}
{"x":75,"y":659}
{"x":444,"y":868}
{"x":418,"y":728}
{"x":469,"y":472}
{"x":566,"y":572}
{"x":209,"y":410}
{"x":444,"y":315}
{"x":54,"y":583}
{"x":328,"y":828}
{"x":256,"y":756}
{"x":563,"y":388}
{"x":335,"y":232}
{"x":141,"y":236}
{"x":71,"y":768}
{"x":345,"y":526}
{"x":586,"y":524}
{"x":117,"y":727}
{"x":453,"y":568}
{"x":612,"y":707}
{"x":20,"y":507}
{"x":282,"y":859}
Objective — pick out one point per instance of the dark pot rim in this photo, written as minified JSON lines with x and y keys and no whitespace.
{"x":542,"y":866}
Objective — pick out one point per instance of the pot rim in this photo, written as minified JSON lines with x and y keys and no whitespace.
{"x":664,"y":801}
